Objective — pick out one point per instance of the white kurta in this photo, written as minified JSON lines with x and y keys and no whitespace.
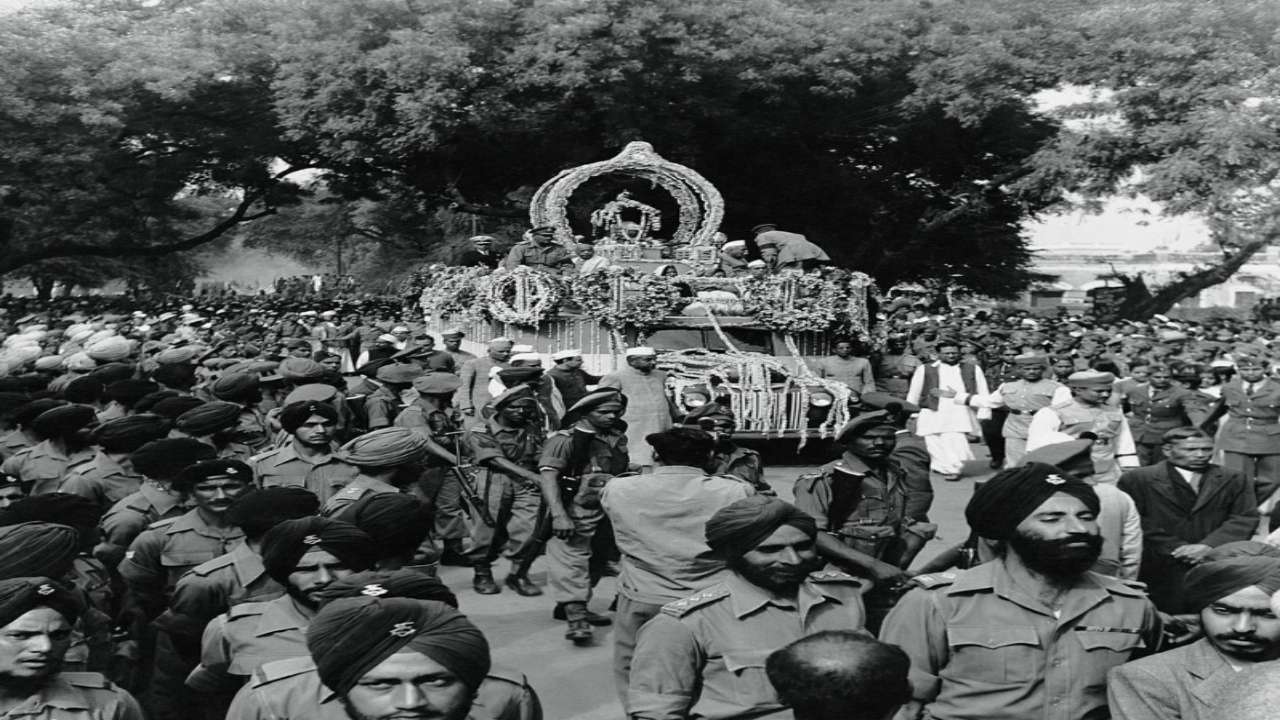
{"x":647,"y":408}
{"x":945,"y":430}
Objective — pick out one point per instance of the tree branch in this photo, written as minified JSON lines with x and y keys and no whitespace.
{"x":461,"y":204}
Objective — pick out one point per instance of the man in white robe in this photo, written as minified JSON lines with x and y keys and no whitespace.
{"x":649,"y":407}
{"x":946,"y":426}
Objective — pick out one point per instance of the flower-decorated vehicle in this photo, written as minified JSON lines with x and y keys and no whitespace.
{"x":747,"y":342}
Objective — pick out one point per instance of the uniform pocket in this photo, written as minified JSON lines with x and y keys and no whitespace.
{"x":995,"y":654}
{"x":750,"y":681}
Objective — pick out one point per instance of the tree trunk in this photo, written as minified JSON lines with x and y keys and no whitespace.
{"x":1141,"y":302}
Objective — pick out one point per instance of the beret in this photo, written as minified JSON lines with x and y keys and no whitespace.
{"x":311,"y":392}
{"x":31,"y":548}
{"x":111,"y":372}
{"x":351,"y":636}
{"x":126,"y":434}
{"x":165,"y":458}
{"x":293,"y":415}
{"x":234,"y":386}
{"x":397,"y":522}
{"x":865,"y":422}
{"x":511,"y":377}
{"x":734,"y":530}
{"x":437,"y":383}
{"x":20,"y":595}
{"x":1004,"y":501}
{"x":174,"y":407}
{"x":385,"y":447}
{"x":681,"y":441}
{"x":26,"y":414}
{"x":300,"y":369}
{"x":399,"y":373}
{"x":592,"y":401}
{"x":64,"y":420}
{"x":129,"y":392}
{"x":1211,"y":581}
{"x":175,"y":376}
{"x":404,"y":583}
{"x":215,"y":469}
{"x":85,"y":389}
{"x":284,"y":545}
{"x":209,"y":418}
{"x":1091,"y":378}
{"x":260,"y":510}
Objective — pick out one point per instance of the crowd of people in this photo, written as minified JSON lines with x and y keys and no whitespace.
{"x":236,"y":507}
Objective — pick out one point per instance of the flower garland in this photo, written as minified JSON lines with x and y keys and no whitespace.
{"x":600,"y":296}
{"x":794,"y":302}
{"x":521,"y":296}
{"x":450,"y":292}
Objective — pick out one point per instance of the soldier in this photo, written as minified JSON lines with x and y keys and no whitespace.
{"x":576,"y":462}
{"x":109,"y":476}
{"x":400,"y":525}
{"x":158,"y":461}
{"x":424,"y":354}
{"x":1021,"y":399}
{"x":303,"y":556}
{"x":23,"y":435}
{"x":86,"y":574}
{"x":1156,"y":408}
{"x":703,"y":656}
{"x":216,"y":424}
{"x":1247,"y":440}
{"x":1088,"y":414}
{"x":893,"y":368}
{"x":309,"y":460}
{"x":539,"y":250}
{"x":729,"y":458}
{"x":1033,"y":633}
{"x":384,"y":404}
{"x":506,"y":448}
{"x":62,"y":447}
{"x":433,"y":417}
{"x":243,"y":389}
{"x":452,"y":338}
{"x":36,"y":617}
{"x":389,"y":460}
{"x":122,"y":395}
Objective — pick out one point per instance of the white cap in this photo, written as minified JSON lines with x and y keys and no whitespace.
{"x":566,"y":354}
{"x":521,"y":349}
{"x":734,"y":244}
{"x":757,"y":264}
{"x":451,"y":331}
{"x":400,"y":328}
{"x":527,"y":357}
{"x":640,"y":352}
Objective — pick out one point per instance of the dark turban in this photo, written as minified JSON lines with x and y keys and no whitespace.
{"x":405,"y":583}
{"x":385,"y":448}
{"x":175,"y":407}
{"x":215,"y":469}
{"x":397,"y":522}
{"x":27,"y":414}
{"x":209,"y":418}
{"x":10,"y":402}
{"x":20,"y":595}
{"x":114,"y":372}
{"x":1004,"y":501}
{"x":735,"y":530}
{"x":164,"y":459}
{"x":86,"y":389}
{"x":64,"y":421}
{"x":129,"y":392}
{"x":257,"y":511}
{"x":285,"y":544}
{"x":351,"y":636}
{"x":1209,"y":582}
{"x":182,"y":377}
{"x":293,"y":415}
{"x":147,"y":402}
{"x":235,"y":386}
{"x":126,"y":434}
{"x":36,"y":547}
{"x":76,"y":511}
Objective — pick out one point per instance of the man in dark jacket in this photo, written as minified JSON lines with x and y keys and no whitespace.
{"x":1188,"y":506}
{"x":480,"y":255}
{"x":570,"y":379}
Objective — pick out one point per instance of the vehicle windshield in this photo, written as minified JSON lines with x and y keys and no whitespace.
{"x":759,"y":341}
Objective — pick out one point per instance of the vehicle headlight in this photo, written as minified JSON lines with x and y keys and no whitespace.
{"x":694,"y":400}
{"x":821,"y":399}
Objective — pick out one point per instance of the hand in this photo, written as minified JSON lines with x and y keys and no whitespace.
{"x":562,"y":526}
{"x":1191,"y":554}
{"x":884,"y":573}
{"x":942,"y":393}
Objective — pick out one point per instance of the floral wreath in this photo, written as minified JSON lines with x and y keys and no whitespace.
{"x":600,"y":297}
{"x":451,"y":292}
{"x":794,"y":302}
{"x":521,"y":296}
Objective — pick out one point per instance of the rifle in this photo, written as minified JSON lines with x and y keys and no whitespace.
{"x":469,"y":494}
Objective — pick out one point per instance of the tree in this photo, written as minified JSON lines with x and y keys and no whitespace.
{"x":1182,"y":106}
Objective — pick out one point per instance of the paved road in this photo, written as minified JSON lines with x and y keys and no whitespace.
{"x":577,"y":683}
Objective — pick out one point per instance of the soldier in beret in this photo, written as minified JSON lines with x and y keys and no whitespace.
{"x":63,"y":446}
{"x":309,"y":459}
{"x":36,"y":619}
{"x":729,"y":458}
{"x":1034,"y":632}
{"x":703,"y":656}
{"x":110,"y":476}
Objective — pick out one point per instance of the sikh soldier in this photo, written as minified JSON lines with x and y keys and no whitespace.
{"x":729,"y":458}
{"x":576,"y":462}
{"x":1248,"y":438}
{"x":309,"y":459}
{"x":1022,"y":399}
{"x":400,"y":525}
{"x":61,"y":448}
{"x":389,"y":460}
{"x":432,"y":416}
{"x":506,"y":448}
{"x":109,"y":476}
{"x":217,"y":424}
{"x":1156,"y":408}
{"x":1088,"y":411}
{"x":36,"y":617}
{"x":23,"y":434}
{"x":159,"y":462}
{"x":539,"y":250}
{"x":86,"y":573}
{"x":703,"y":656}
{"x":244,"y":390}
{"x":1034,"y":632}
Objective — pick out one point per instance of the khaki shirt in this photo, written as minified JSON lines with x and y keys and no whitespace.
{"x":284,"y":467}
{"x":43,"y":466}
{"x":291,"y":690}
{"x":213,"y":587}
{"x":703,"y":656}
{"x":551,"y":257}
{"x":162,"y":553}
{"x":131,"y":515}
{"x":354,"y":491}
{"x":78,"y":696}
{"x":15,"y":441}
{"x":245,"y":638}
{"x":102,"y":480}
{"x":983,"y":649}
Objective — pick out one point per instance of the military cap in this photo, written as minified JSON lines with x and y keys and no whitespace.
{"x":1091,"y":378}
{"x":710,"y":412}
{"x":164,"y":458}
{"x":175,"y":406}
{"x":235,"y":386}
{"x":519,"y":393}
{"x":126,"y":434}
{"x":209,"y":418}
{"x":215,"y":469}
{"x":64,"y":420}
{"x":437,"y":383}
{"x":863,"y":423}
{"x":311,"y":392}
{"x":20,"y":595}
{"x":399,"y":373}
{"x":592,"y":401}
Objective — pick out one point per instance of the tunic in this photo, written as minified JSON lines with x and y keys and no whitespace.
{"x":248,"y":636}
{"x":648,"y":409}
{"x":551,"y":257}
{"x":284,"y":467}
{"x":78,"y":696}
{"x":131,"y":515}
{"x":43,"y":466}
{"x":1113,"y":447}
{"x":102,"y":480}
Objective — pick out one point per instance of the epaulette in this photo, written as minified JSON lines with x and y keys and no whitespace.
{"x":162,"y":524}
{"x":137,"y":502}
{"x":829,"y":576}
{"x":282,"y":669}
{"x":83,"y":463}
{"x":94,"y":680}
{"x":1121,"y":586}
{"x":247,"y":609}
{"x":684,"y":606}
{"x":264,"y":454}
{"x":207,"y":567}
{"x":934,"y":580}
{"x":352,"y":493}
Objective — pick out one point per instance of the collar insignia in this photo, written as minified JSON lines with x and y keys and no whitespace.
{"x":373,"y":590}
{"x":45,"y":589}
{"x":311,"y":540}
{"x":1055,"y":480}
{"x":403,"y":629}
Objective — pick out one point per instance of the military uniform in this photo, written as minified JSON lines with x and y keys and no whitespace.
{"x":14,"y":442}
{"x":1153,"y":412}
{"x":166,"y":550}
{"x":91,"y":577}
{"x":568,"y":561}
{"x":893,"y":373}
{"x":1021,"y":401}
{"x":78,"y":696}
{"x":981,"y":648}
{"x":131,"y":515}
{"x":291,"y":690}
{"x":246,"y":637}
{"x":252,"y":431}
{"x":42,"y":466}
{"x":1112,"y":447}
{"x":102,"y":480}
{"x":552,"y":257}
{"x":211,"y":588}
{"x":284,"y":467}
{"x":513,"y":502}
{"x":358,"y":488}
{"x":703,"y":656}
{"x":743,"y":464}
{"x":381,"y":407}
{"x":1250,"y":435}
{"x":438,"y":484}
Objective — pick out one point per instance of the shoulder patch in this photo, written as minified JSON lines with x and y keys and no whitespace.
{"x":829,"y":576}
{"x":247,"y":609}
{"x":92,"y":680}
{"x":282,"y":669}
{"x":934,"y":580}
{"x":684,"y":606}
